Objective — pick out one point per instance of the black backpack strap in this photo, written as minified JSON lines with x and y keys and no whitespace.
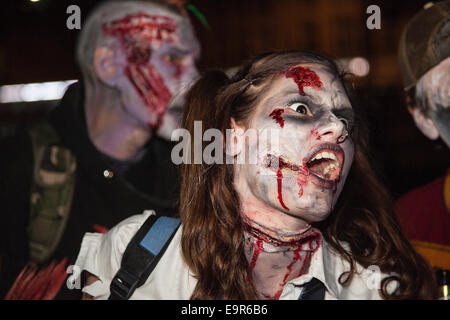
{"x":313,"y":290}
{"x":142,"y":255}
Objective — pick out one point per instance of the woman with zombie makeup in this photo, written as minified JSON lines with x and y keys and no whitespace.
{"x":310,"y":208}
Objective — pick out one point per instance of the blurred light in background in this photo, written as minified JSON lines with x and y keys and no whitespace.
{"x":359,"y":66}
{"x":41,"y":91}
{"x":34,"y":0}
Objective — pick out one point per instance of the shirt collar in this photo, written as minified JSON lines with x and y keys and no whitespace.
{"x":323,"y":266}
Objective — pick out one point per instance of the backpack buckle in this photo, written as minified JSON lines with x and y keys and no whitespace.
{"x":123,"y":285}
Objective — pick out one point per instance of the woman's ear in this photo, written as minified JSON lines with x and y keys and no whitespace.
{"x":104,"y":66}
{"x":424,"y":123}
{"x":234,"y":140}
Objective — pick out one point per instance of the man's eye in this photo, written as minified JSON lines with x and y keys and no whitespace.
{"x":171,"y":58}
{"x":300,"y":108}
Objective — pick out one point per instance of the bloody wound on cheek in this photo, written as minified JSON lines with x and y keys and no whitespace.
{"x":304,"y":77}
{"x":276,"y":115}
{"x":136,"y":32}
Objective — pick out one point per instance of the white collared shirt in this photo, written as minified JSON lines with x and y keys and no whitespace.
{"x":101,"y":254}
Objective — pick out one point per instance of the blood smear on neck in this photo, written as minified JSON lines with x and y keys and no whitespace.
{"x":258,"y":247}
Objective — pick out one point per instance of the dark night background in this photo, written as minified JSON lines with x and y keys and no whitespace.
{"x":36,"y":46}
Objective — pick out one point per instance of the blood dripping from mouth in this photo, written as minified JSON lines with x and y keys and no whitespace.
{"x":301,"y":178}
{"x":280,"y":188}
{"x":137,"y":33}
{"x":272,"y":162}
{"x":276,"y":115}
{"x":304,"y":77}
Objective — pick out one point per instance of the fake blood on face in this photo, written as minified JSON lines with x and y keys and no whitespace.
{"x":137,"y":33}
{"x":280,"y":188}
{"x":272,"y":162}
{"x":315,"y":134}
{"x":304,"y":77}
{"x":276,"y":115}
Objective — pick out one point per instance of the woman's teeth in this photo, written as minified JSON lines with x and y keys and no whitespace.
{"x":325,"y":155}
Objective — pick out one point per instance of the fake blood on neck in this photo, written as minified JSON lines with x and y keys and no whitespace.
{"x":302,"y":251}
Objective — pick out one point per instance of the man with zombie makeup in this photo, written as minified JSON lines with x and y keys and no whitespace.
{"x":104,"y":153}
{"x":424,"y":58}
{"x":307,"y":210}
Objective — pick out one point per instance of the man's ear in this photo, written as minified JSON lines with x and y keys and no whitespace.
{"x":235,"y":141}
{"x":424,"y":123}
{"x":104,"y":66}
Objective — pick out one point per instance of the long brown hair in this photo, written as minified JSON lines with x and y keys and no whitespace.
{"x":212,"y":240}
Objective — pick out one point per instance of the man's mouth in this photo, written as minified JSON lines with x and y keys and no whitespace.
{"x":325,"y":164}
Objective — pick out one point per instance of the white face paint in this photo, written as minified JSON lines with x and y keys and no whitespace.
{"x":314,"y":147}
{"x":433,"y":89}
{"x":156,"y":53}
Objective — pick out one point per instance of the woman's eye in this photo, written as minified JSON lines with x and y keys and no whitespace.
{"x":300,"y":108}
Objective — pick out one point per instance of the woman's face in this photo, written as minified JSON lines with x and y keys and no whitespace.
{"x":302,"y":172}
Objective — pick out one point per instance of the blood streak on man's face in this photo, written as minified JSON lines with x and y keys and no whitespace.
{"x":159,"y":59}
{"x":303,"y":174}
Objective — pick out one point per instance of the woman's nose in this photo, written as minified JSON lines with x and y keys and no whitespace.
{"x":333,"y":129}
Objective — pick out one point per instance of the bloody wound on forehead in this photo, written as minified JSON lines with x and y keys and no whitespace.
{"x":304,"y":77}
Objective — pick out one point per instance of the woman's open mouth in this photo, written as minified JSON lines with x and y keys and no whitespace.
{"x":325,"y":164}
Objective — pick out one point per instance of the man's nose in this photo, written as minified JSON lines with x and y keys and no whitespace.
{"x":332,"y":129}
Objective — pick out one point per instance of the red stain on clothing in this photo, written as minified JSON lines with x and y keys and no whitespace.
{"x":99,"y":228}
{"x":304,"y":77}
{"x":39,"y":284}
{"x":276,"y":115}
{"x":136,"y":33}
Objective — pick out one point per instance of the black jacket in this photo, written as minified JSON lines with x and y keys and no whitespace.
{"x":150,"y":184}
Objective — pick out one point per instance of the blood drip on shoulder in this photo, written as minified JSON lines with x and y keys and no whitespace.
{"x":138,"y":34}
{"x":304,"y":77}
